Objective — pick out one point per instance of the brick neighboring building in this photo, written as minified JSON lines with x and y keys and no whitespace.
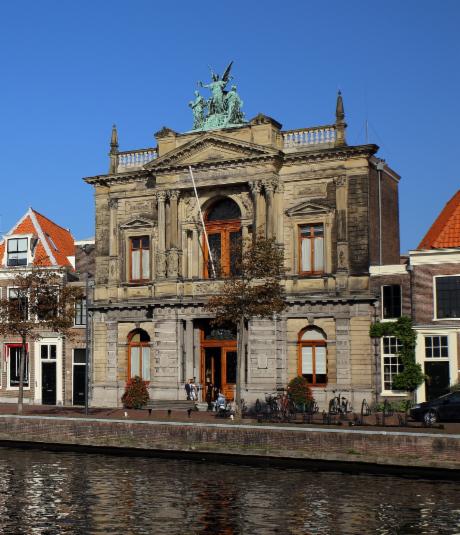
{"x":425,"y":286}
{"x":55,"y":367}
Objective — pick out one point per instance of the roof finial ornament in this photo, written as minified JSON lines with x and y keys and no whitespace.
{"x":114,"y":140}
{"x":340,"y":124}
{"x":339,"y":111}
{"x":113,"y":154}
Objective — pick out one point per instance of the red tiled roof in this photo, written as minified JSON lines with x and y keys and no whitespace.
{"x":445,"y":231}
{"x":54,"y":243}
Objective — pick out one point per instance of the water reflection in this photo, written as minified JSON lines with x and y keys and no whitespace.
{"x":67,"y":493}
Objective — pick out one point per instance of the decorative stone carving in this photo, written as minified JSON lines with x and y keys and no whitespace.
{"x":313,"y":190}
{"x":161,"y":196}
{"x":247,"y":204}
{"x":173,"y":263}
{"x":113,"y":203}
{"x":138,"y":206}
{"x":190,"y":209}
{"x":340,"y":181}
{"x":161,"y":264}
{"x":173,"y":194}
{"x":255,"y":186}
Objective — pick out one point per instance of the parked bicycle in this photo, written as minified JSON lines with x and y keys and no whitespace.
{"x":339,"y":405}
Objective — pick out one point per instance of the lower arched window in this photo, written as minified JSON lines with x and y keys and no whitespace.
{"x":312,"y":357}
{"x":139,"y":354}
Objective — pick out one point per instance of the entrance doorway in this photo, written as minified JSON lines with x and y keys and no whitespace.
{"x":437,"y":382}
{"x":48,"y":355}
{"x":49,"y":383}
{"x":79,"y":376}
{"x":218,"y":362}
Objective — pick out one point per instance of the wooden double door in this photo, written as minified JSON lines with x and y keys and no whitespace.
{"x":218,"y":367}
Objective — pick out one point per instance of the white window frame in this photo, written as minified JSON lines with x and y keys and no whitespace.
{"x":8,"y":365}
{"x":80,"y":325}
{"x":435,"y":298}
{"x":385,"y":391}
{"x":382,"y":303}
{"x":29,"y":252}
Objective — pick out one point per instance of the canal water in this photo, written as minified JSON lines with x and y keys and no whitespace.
{"x":76,"y":493}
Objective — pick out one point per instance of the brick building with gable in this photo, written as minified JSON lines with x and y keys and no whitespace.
{"x":55,"y":367}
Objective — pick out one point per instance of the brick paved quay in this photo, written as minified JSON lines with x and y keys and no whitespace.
{"x":203,"y":433}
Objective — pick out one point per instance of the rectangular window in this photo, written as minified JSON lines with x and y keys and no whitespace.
{"x":48,"y":352}
{"x":311,"y":245}
{"x":436,"y":347}
{"x":79,"y":356}
{"x":314,"y":364}
{"x":80,"y":311}
{"x":21,"y":302}
{"x":392,"y":364}
{"x":448,"y":297}
{"x":15,"y":355}
{"x":140,"y":258}
{"x":391,"y":301}
{"x":17,"y":252}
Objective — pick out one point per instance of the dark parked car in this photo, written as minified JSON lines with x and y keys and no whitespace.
{"x":444,"y":408}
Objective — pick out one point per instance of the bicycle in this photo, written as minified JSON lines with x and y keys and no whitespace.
{"x":339,"y":405}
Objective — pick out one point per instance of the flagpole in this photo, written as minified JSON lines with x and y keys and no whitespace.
{"x":202,"y":222}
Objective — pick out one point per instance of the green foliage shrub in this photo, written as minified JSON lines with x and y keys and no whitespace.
{"x":299,"y":391}
{"x":136,"y":394}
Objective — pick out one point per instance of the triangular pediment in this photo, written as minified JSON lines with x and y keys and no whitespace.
{"x":210,"y":148}
{"x":138,"y":222}
{"x":306,"y":208}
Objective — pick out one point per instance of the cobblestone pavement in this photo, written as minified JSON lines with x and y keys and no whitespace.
{"x":210,"y":417}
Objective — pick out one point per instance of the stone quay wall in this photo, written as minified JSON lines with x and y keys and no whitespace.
{"x":410,"y":449}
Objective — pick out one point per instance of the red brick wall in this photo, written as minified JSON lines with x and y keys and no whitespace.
{"x":403,"y":449}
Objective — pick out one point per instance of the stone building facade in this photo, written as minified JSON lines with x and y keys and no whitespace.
{"x":308,"y":189}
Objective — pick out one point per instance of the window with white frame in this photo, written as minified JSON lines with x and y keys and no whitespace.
{"x":17,"y":252}
{"x":391,"y":301}
{"x":392,"y":363}
{"x":21,"y":301}
{"x":14,"y":354}
{"x":448,"y":297}
{"x":436,"y":347}
{"x":80,"y":311}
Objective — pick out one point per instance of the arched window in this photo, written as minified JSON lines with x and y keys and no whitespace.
{"x":139,"y":354}
{"x":223,"y":226}
{"x":312,"y":357}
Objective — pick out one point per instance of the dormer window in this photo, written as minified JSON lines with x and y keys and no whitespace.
{"x":17,"y":252}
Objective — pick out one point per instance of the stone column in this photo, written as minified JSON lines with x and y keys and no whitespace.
{"x":161,"y":263}
{"x":256,"y":189}
{"x":189,"y":350}
{"x":342,"y":351}
{"x":173,"y":253}
{"x":279,"y":219}
{"x":269,"y":187}
{"x":113,"y":240}
{"x":173,"y":197}
{"x":341,"y":195}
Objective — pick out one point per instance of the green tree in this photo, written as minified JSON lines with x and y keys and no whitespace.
{"x":412,"y":375}
{"x":254,"y":290}
{"x":39,"y":301}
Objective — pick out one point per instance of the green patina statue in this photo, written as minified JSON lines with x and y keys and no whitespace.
{"x":224,"y":107}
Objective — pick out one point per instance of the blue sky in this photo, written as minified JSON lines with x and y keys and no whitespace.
{"x":71,"y":69}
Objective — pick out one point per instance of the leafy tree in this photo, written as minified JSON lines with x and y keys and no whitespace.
{"x":40,"y":301}
{"x":412,"y":375}
{"x":255,"y":290}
